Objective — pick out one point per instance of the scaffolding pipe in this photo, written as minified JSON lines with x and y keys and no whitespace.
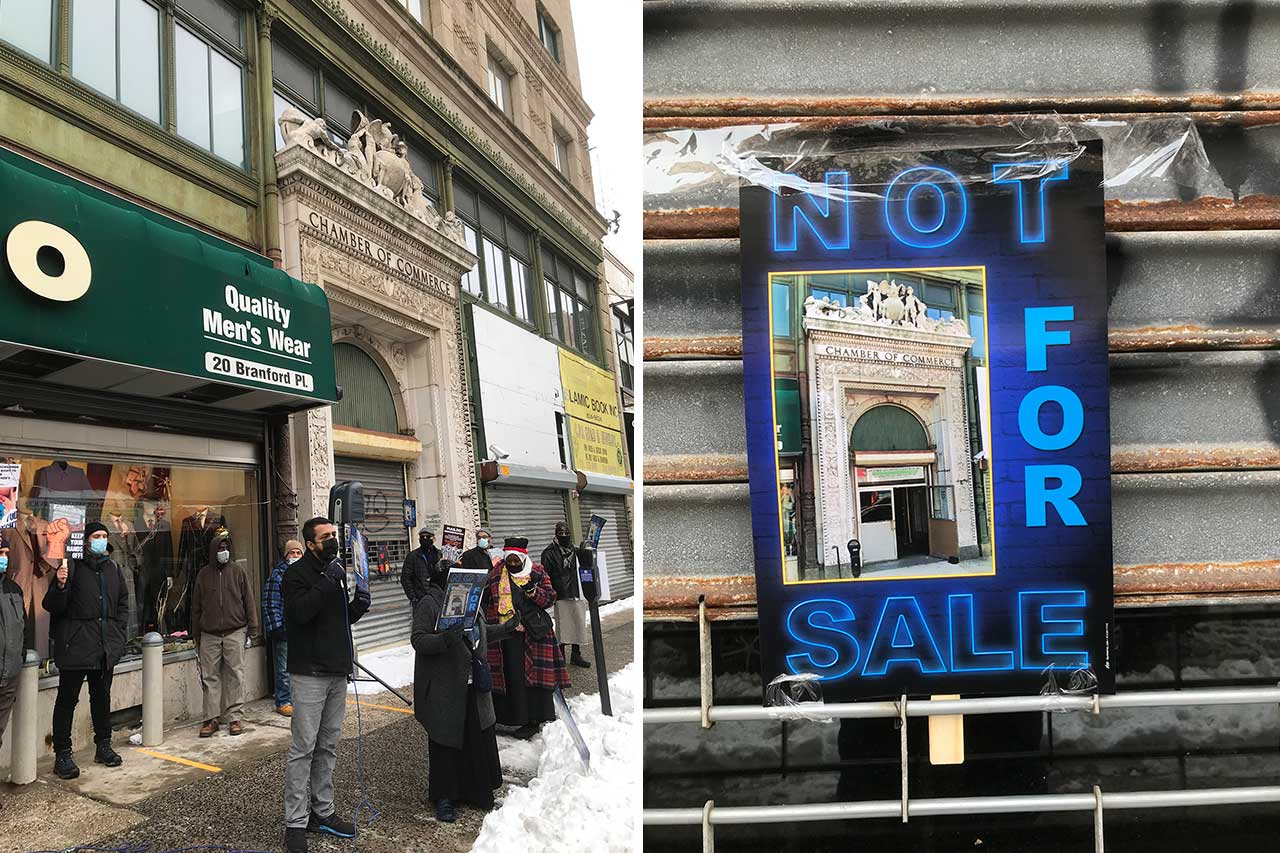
{"x":991,"y":705}
{"x":1094,"y":801}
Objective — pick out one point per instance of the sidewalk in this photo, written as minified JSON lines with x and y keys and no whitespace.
{"x":227,"y":791}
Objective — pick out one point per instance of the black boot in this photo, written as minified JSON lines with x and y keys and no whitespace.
{"x":578,"y":660}
{"x":445,"y":812}
{"x":106,"y":755}
{"x":65,"y":766}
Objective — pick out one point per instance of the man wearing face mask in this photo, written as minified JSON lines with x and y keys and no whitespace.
{"x":273,"y":626}
{"x":560,"y":559}
{"x":13,"y":620}
{"x":481,"y":556}
{"x":223,"y":619}
{"x":318,"y":619}
{"x":88,"y":606}
{"x":420,"y":567}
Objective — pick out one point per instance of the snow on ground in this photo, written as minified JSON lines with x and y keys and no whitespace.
{"x":565,"y":800}
{"x":394,"y":666}
{"x":622,"y":605}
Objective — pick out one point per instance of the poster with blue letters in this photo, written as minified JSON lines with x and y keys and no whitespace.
{"x":926,"y":378}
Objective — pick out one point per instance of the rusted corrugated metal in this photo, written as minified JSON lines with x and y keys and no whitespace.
{"x":1193,"y":251}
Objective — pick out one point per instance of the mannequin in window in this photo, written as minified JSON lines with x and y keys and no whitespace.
{"x":155,"y":557}
{"x":198,"y":530}
{"x":125,"y":550}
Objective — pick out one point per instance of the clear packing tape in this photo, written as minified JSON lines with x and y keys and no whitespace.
{"x":1145,"y":159}
{"x":802,"y":692}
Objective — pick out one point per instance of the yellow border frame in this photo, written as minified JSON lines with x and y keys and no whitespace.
{"x":773,"y":401}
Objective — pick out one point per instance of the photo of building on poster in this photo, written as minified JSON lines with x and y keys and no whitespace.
{"x":894,"y":363}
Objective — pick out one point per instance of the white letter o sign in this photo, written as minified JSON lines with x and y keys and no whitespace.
{"x":24,"y":244}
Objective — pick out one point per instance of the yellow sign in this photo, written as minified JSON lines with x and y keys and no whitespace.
{"x":589,"y":392}
{"x":596,"y":449}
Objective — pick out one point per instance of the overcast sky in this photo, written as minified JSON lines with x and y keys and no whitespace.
{"x":609,"y":58}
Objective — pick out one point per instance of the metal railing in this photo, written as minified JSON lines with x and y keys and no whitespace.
{"x":708,"y":714}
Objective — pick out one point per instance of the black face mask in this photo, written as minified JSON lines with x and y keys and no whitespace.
{"x":426,"y":543}
{"x":329,"y":549}
{"x":566,"y":540}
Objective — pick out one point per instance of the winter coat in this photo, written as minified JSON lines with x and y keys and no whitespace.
{"x":419,"y":568}
{"x":440,"y":674}
{"x":221,"y":601}
{"x":272,"y":606}
{"x":543,"y":661}
{"x":89,"y":615}
{"x":477,"y":558}
{"x":563,"y":569}
{"x":318,"y":619}
{"x":13,"y":629}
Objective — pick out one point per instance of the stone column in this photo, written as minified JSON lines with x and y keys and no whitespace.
{"x":267,"y":137}
{"x":312,"y":434}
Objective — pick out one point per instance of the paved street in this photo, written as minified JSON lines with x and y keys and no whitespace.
{"x":240,"y":806}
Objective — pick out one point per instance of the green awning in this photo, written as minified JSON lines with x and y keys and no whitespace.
{"x":159,"y":310}
{"x":786,"y":398}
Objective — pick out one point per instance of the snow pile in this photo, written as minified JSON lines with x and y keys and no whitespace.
{"x":394,"y":666}
{"x":565,"y":801}
{"x":622,"y":605}
{"x":520,"y":756}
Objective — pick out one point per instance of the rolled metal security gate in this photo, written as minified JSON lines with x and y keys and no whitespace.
{"x":1194,"y":319}
{"x":525,"y":511}
{"x":390,"y":618}
{"x":615,"y":539}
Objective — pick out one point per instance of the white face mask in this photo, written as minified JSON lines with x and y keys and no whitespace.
{"x":289,"y":561}
{"x":223,"y":556}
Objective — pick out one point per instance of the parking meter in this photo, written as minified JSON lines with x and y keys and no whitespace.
{"x":587,"y":573}
{"x":855,"y":556}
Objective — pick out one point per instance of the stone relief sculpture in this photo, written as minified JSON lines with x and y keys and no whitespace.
{"x":886,"y":303}
{"x":374,"y":155}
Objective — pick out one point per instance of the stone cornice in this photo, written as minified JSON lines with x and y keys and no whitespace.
{"x":844,"y":332}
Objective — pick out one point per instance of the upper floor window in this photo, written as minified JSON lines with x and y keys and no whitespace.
{"x":499,"y":84}
{"x":624,"y":331}
{"x":28,"y":26}
{"x":502,"y":274}
{"x":115,"y":48}
{"x":415,"y":9}
{"x":562,"y":149}
{"x":549,"y":33}
{"x":570,"y":303}
{"x":209,"y":76}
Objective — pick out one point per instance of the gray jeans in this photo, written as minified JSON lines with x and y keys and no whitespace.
{"x":319,"y":704}
{"x":8,"y":693}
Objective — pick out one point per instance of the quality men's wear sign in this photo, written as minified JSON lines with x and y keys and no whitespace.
{"x":91,"y":275}
{"x":954,"y":546}
{"x":595,"y":421}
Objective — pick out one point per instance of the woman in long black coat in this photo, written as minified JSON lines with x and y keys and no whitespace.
{"x":462,"y":749}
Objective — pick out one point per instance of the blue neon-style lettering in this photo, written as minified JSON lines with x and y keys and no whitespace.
{"x":922,"y":652}
{"x":831,"y":224}
{"x":1029,"y":417}
{"x":1040,"y":648}
{"x":900,"y":199}
{"x":1033,"y":221}
{"x":965,"y":654}
{"x":1039,"y":338}
{"x":831,"y":651}
{"x":1039,"y":495}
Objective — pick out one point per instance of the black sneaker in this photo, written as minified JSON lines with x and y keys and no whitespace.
{"x":65,"y":766}
{"x":445,"y":812}
{"x":295,"y":840}
{"x":106,"y":755}
{"x":579,"y":660}
{"x":332,"y":824}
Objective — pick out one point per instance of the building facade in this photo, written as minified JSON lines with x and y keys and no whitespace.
{"x":369,"y":176}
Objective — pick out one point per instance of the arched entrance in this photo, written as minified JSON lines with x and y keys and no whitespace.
{"x":891,"y":457}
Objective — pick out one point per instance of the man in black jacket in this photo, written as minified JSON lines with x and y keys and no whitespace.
{"x":420,"y":567}
{"x":88,"y":605}
{"x":560,"y":560}
{"x":317,"y":619}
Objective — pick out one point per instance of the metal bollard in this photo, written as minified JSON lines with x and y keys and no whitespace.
{"x":26,"y":739}
{"x":152,"y":689}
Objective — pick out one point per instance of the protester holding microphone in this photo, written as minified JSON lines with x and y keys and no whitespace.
{"x":317,"y":619}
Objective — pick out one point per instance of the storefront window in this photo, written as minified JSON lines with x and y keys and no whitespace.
{"x":161,"y":519}
{"x":782,"y":310}
{"x":979,"y":348}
